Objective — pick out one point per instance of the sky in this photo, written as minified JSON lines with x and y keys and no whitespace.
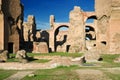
{"x":42,"y":9}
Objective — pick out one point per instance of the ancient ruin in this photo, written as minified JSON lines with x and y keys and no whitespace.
{"x":21,"y":55}
{"x":102,"y":35}
{"x":11,"y":17}
{"x":4,"y":55}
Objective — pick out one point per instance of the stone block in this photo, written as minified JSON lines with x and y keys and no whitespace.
{"x":92,"y":56}
{"x":43,"y":47}
{"x":3,"y":55}
{"x":40,"y":47}
{"x":21,"y":55}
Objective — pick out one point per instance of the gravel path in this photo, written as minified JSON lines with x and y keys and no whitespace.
{"x":55,"y":61}
{"x":19,"y":75}
{"x":21,"y":66}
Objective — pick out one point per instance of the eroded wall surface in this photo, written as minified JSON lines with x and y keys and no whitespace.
{"x":114,"y":31}
{"x":13,"y":15}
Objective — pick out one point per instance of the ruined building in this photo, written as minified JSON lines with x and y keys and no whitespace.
{"x":102,"y":35}
{"x":11,"y":17}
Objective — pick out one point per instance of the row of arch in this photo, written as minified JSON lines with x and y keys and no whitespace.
{"x":89,"y":30}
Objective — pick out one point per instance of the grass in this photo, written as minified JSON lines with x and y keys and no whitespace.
{"x":57,"y":54}
{"x":113,"y":76}
{"x":30,"y":60}
{"x":41,"y":60}
{"x":108,"y":60}
{"x":68,"y":73}
{"x":12,"y":60}
{"x":31,"y":55}
{"x":109,"y":57}
{"x":112,"y":73}
{"x":59,"y":73}
{"x":6,"y":73}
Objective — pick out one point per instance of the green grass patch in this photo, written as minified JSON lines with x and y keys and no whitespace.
{"x":109,"y":57}
{"x":41,"y":60}
{"x":31,"y":55}
{"x":6,"y":73}
{"x":113,"y":76}
{"x":57,"y":54}
{"x":12,"y":60}
{"x":108,"y":60}
{"x":59,"y":73}
{"x":30,"y":60}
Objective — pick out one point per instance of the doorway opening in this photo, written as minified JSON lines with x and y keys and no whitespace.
{"x":10,"y":47}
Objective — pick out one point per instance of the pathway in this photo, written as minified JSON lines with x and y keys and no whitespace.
{"x":19,"y":75}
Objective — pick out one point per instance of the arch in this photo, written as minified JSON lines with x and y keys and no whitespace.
{"x":90,"y":19}
{"x":90,"y":33}
{"x":59,"y":25}
{"x":53,"y":32}
{"x":89,"y":29}
{"x":58,"y":28}
{"x":60,"y":36}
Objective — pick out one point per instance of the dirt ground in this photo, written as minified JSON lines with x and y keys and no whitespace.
{"x":90,"y":74}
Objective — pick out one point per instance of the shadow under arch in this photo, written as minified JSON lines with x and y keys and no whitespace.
{"x":89,"y":29}
{"x":64,"y":36}
{"x":90,"y":33}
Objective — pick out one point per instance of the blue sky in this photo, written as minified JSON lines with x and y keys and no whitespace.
{"x":42,"y":9}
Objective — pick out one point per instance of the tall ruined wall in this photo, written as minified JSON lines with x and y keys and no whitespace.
{"x":13,"y":11}
{"x":13,"y":15}
{"x":108,"y":30}
{"x":2,"y":42}
{"x":115,"y":27}
{"x":115,"y":3}
{"x":76,"y":32}
{"x":102,"y":7}
{"x":103,"y":13}
{"x":29,"y":29}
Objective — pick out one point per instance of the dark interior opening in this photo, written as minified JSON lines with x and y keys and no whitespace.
{"x":10,"y":47}
{"x":104,"y":42}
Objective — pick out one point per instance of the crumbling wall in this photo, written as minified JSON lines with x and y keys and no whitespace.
{"x":114,"y":27}
{"x":108,"y":14}
{"x":103,"y":13}
{"x":2,"y":43}
{"x":29,"y":33}
{"x":54,"y":34}
{"x":115,"y":3}
{"x":29,"y":29}
{"x":13,"y":15}
{"x":76,"y":31}
{"x":61,"y":40}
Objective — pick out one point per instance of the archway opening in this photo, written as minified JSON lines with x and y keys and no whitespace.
{"x":60,"y":35}
{"x":89,"y":28}
{"x":10,"y":47}
{"x":90,"y":33}
{"x":91,"y":19}
{"x":104,"y":42}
